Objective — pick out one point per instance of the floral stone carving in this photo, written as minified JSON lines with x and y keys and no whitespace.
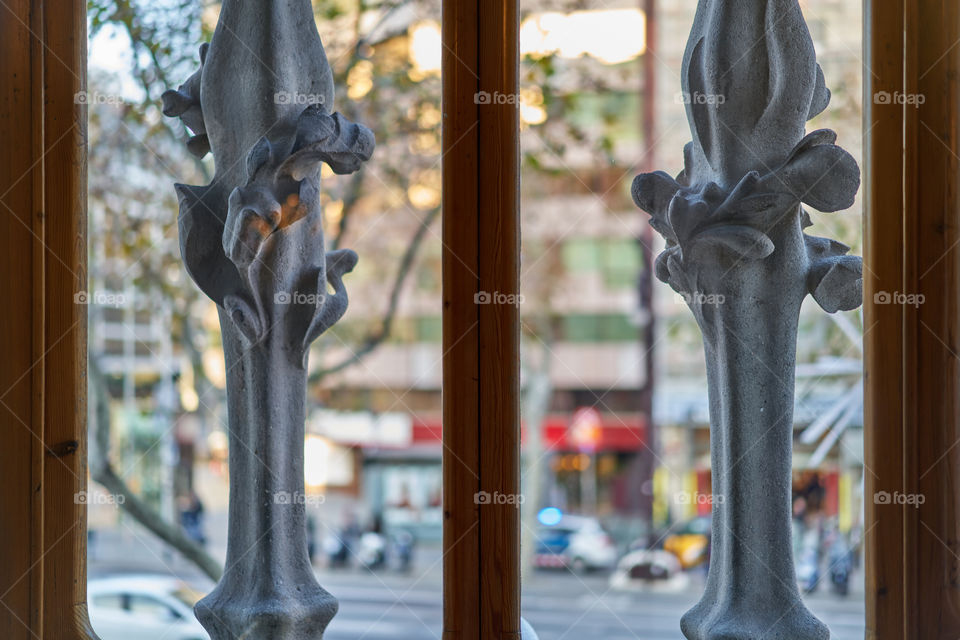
{"x":734,"y":223}
{"x":253,"y":241}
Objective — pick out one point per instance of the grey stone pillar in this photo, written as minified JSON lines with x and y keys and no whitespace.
{"x":733,"y":221}
{"x":252,"y":240}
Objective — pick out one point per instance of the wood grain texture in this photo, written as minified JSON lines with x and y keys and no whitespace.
{"x":461,"y":377}
{"x":912,"y":233}
{"x":883,"y":324}
{"x":499,"y":328}
{"x":43,"y":330}
{"x":20,"y":340}
{"x":480,"y":341}
{"x":932,"y":329}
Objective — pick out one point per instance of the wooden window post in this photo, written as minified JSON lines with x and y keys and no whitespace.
{"x":43,"y":329}
{"x":481,"y":371}
{"x":912,"y":319}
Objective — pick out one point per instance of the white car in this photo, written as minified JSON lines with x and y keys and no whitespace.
{"x":143,"y":607}
{"x":576,"y":542}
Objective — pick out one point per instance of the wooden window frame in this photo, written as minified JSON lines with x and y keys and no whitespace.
{"x":911,"y":399}
{"x":912,"y":224}
{"x":481,"y":342}
{"x":43,"y":337}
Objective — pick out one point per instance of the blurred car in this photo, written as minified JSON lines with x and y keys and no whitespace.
{"x":690,"y":542}
{"x":143,"y":607}
{"x":649,"y":570}
{"x":575,"y":542}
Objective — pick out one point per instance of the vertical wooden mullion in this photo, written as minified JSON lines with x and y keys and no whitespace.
{"x":21,"y":129}
{"x":499,"y":341}
{"x":912,"y":383}
{"x":932,"y":327}
{"x":461,"y":394}
{"x":910,"y":229}
{"x":481,"y":432}
{"x":65,"y":321}
{"x":37,"y":314}
{"x":883,"y":324}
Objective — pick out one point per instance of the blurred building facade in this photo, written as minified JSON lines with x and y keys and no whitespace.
{"x":374,"y":430}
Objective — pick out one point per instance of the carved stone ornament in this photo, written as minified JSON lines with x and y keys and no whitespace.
{"x":252,"y":240}
{"x":733,"y":221}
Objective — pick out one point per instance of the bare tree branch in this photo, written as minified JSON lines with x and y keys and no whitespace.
{"x":350,"y":199}
{"x":376,"y":337}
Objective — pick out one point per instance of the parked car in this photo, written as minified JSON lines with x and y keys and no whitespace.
{"x":575,"y":542}
{"x":143,"y":607}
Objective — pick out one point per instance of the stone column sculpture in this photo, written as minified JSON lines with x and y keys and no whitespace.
{"x":252,"y":240}
{"x":733,"y":221}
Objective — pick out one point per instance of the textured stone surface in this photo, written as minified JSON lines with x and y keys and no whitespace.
{"x":252,"y":240}
{"x":734,"y":221}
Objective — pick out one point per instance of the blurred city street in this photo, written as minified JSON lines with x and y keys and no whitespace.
{"x":560,"y":605}
{"x":618,"y":475}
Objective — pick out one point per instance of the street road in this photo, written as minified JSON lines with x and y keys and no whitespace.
{"x":560,"y":606}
